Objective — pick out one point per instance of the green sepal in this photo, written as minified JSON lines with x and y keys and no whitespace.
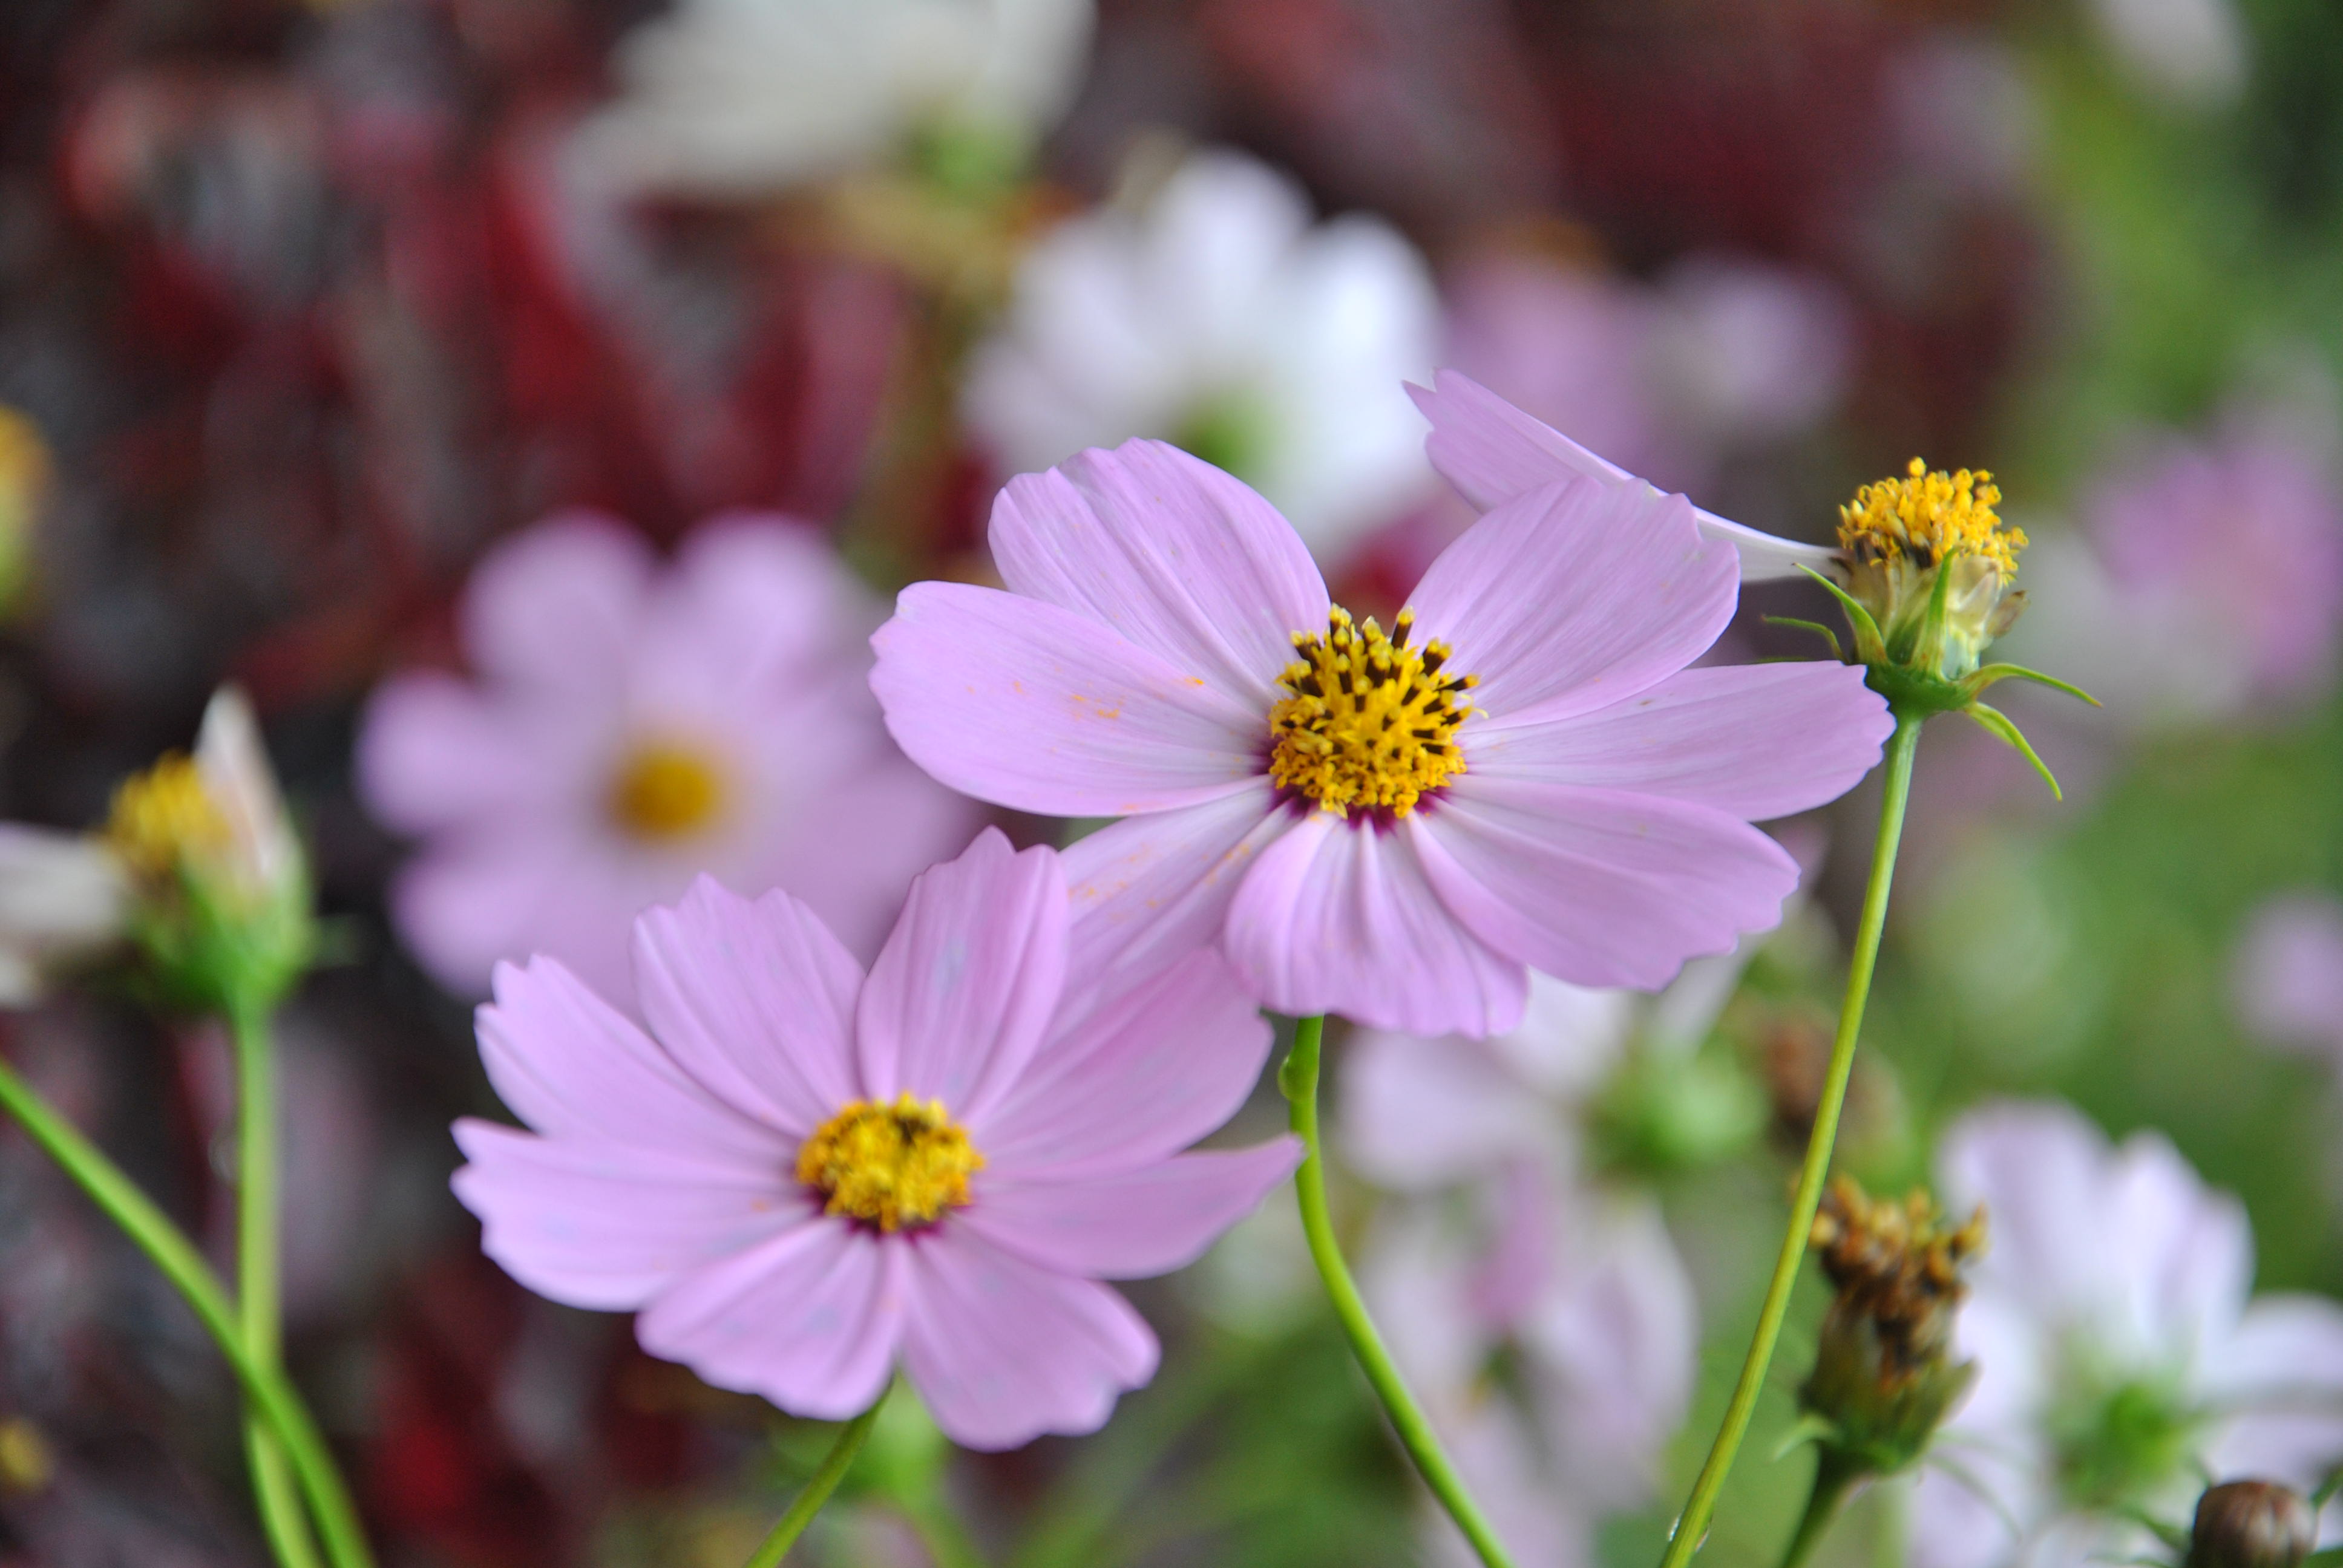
{"x":1998,"y":722}
{"x":1929,"y":634}
{"x":1870,"y":648}
{"x":1980,"y":679}
{"x":1809,"y":1428}
{"x":1817,"y":627}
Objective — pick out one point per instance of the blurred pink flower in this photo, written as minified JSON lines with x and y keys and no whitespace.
{"x":636,"y":725}
{"x":1353,"y":835}
{"x":2118,"y":1346}
{"x":2289,"y":974}
{"x":802,"y":1176}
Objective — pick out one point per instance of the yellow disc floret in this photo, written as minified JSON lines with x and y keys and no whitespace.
{"x":1928,"y":517}
{"x":163,"y":819}
{"x":662,"y":791}
{"x":1369,"y":723}
{"x":891,"y":1166}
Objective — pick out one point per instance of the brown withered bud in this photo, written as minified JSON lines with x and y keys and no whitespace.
{"x":2251,"y":1524}
{"x":1898,"y":1265}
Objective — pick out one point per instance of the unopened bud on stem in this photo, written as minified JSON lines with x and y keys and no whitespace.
{"x":2251,"y":1524}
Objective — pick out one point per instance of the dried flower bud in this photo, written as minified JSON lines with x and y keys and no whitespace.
{"x":2251,"y":1524}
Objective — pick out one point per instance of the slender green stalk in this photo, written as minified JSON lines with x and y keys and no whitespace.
{"x":1832,"y":1482}
{"x":834,"y":1466}
{"x":1298,"y":1079}
{"x":1691,"y":1525}
{"x":163,"y":1242}
{"x":258,"y":1299}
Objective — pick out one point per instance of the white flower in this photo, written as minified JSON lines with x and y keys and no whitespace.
{"x":2118,"y":1346}
{"x":2193,"y":51}
{"x":1218,"y":317}
{"x":738,"y":97}
{"x":63,"y":896}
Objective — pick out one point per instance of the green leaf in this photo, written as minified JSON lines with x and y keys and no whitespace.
{"x":1998,"y":722}
{"x":1993,"y":672}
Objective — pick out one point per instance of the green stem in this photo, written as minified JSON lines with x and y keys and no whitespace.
{"x":1833,"y":1481}
{"x":1691,"y":1525}
{"x":834,"y":1466}
{"x":1298,"y":1079}
{"x":256,"y":1279}
{"x":170,"y":1250}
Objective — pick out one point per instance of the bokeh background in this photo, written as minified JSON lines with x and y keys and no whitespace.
{"x":305,"y":308}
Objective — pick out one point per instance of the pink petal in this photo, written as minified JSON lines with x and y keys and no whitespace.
{"x":571,"y":1066}
{"x":1150,"y":889}
{"x":1491,"y":451}
{"x":474,"y":899}
{"x":1417,"y":1113}
{"x":1178,"y":556}
{"x":853,"y":849}
{"x":1598,"y":887}
{"x":965,"y":989}
{"x":1136,"y":1078}
{"x":1135,"y":1223}
{"x":1027,"y":705}
{"x":594,"y":1224}
{"x":811,"y":1320}
{"x":754,"y":1000}
{"x":434,"y":753}
{"x":1573,"y":596}
{"x":1337,"y":917}
{"x":1755,"y":742}
{"x":2282,"y":1372}
{"x":1002,"y":1351}
{"x":554,"y":608}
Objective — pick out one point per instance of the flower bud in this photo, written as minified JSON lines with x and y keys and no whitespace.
{"x":2251,"y":1524}
{"x":1928,"y":557}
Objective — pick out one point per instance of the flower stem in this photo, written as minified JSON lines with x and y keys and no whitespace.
{"x":256,"y":1276}
{"x":1691,"y":1525}
{"x":168,"y":1247}
{"x":1298,"y":1079}
{"x":834,"y":1466}
{"x":1833,"y":1481}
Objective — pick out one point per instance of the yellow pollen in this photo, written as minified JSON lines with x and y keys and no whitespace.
{"x":889,"y":1165}
{"x":1930,"y":516}
{"x":664,"y":791}
{"x":163,"y":819}
{"x":1369,"y":723}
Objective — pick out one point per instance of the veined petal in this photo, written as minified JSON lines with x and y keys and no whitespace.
{"x":595,"y":1224}
{"x":1178,"y":556}
{"x":964,"y":991}
{"x":1002,"y":1350}
{"x":1491,"y":451}
{"x":1135,"y":1223}
{"x":1756,"y":741}
{"x":1598,"y":887}
{"x":1149,"y":888}
{"x":1338,"y":917}
{"x":756,"y":1000}
{"x":1575,"y":596}
{"x":1027,"y":705}
{"x":811,"y":1320}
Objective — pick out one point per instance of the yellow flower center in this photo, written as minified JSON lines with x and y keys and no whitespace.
{"x":889,"y":1165}
{"x":1929,"y":517}
{"x":1369,"y":723}
{"x":664,"y":791}
{"x":163,"y":819}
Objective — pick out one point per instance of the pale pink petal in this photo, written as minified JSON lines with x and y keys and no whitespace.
{"x":1757,"y":741}
{"x":433,"y":752}
{"x":1135,"y":1223}
{"x":2283,"y":1370}
{"x":754,"y":1000}
{"x":1418,"y":1113}
{"x":2038,"y":1167}
{"x":1338,"y":917}
{"x":964,"y":991}
{"x":571,"y":1066}
{"x":1137,"y":1077}
{"x":854,"y":848}
{"x":554,"y":608}
{"x":474,"y":899}
{"x":1150,"y":889}
{"x":811,"y":1320}
{"x":1175,"y":554}
{"x":1491,"y":451}
{"x":1027,"y":705}
{"x":1598,"y":887}
{"x":1572,"y":597}
{"x":2181,"y":1255}
{"x":756,"y":599}
{"x":1002,"y":1351}
{"x":598,"y":1224}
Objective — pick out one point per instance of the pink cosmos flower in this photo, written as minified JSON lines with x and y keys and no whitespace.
{"x":633,"y":727}
{"x":803,"y":1176}
{"x":1396,"y":827}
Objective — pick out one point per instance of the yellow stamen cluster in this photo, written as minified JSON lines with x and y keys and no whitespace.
{"x":889,"y":1165}
{"x":163,"y":819}
{"x":1899,"y":1265}
{"x":1371,"y":722}
{"x":662,"y":791}
{"x":1929,"y":518}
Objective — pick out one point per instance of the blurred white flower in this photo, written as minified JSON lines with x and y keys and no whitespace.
{"x":1217,"y":316}
{"x":2119,"y":1348}
{"x":63,"y":896}
{"x":2191,"y":51}
{"x":740,"y":97}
